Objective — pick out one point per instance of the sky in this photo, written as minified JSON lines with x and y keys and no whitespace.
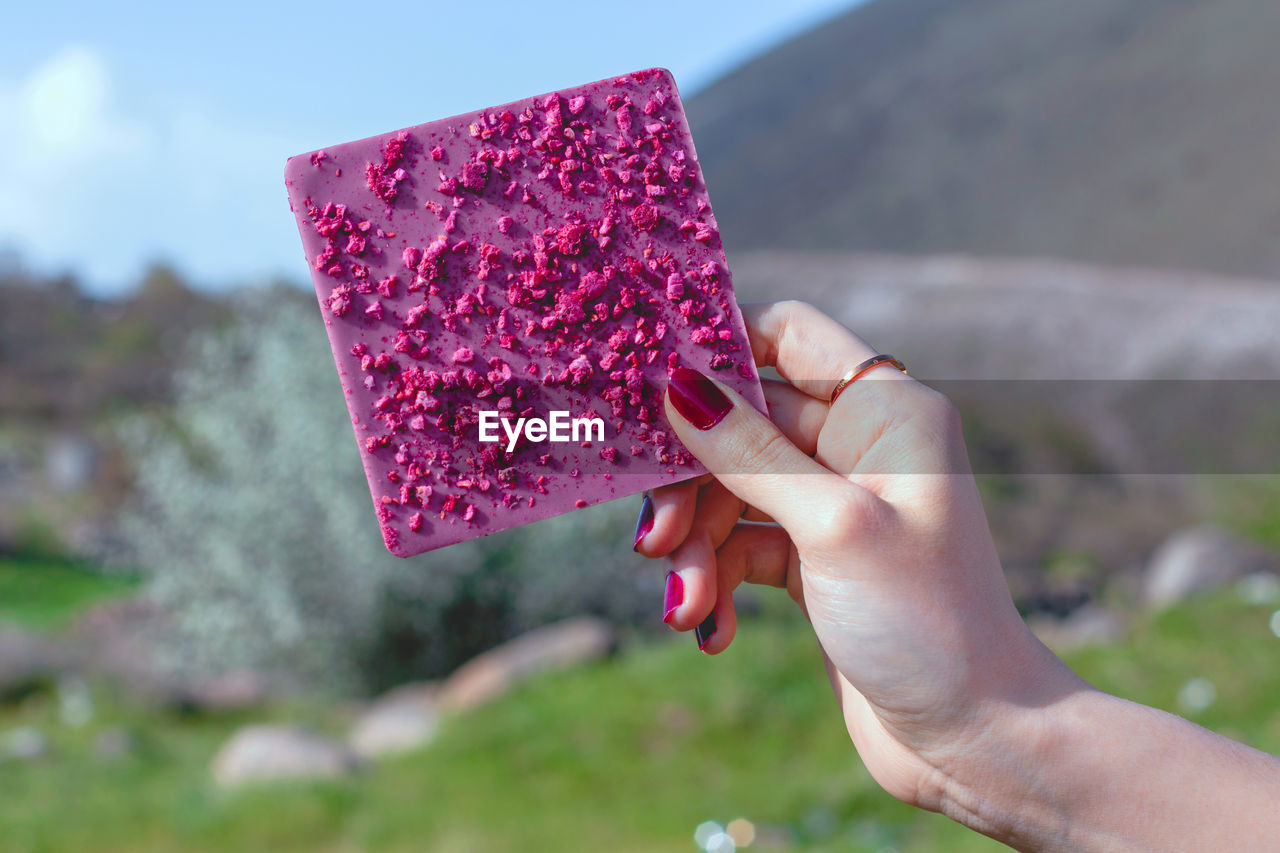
{"x":160,"y":134}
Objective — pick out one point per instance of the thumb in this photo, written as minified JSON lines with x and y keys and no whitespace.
{"x":756,"y":461}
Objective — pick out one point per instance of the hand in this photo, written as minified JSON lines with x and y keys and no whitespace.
{"x":872,"y":523}
{"x":880,"y":537}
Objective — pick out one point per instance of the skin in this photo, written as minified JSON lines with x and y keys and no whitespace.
{"x":866,"y":512}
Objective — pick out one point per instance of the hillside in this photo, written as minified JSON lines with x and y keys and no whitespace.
{"x":1068,"y":368}
{"x":1112,"y":131}
{"x":961,"y":317}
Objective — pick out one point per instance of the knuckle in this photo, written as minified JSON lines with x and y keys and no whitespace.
{"x":797,"y":318}
{"x":941,"y":413}
{"x":850,"y":514}
{"x":794,"y":306}
{"x":767,"y":454}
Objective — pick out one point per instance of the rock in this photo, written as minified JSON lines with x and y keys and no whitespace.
{"x":400,"y":721}
{"x":27,"y":661}
{"x":114,"y":744}
{"x":1198,"y":559}
{"x":117,"y":640}
{"x":1259,"y":588}
{"x":124,"y":641}
{"x":24,"y":743}
{"x":1090,"y":625}
{"x":556,"y":646}
{"x":239,"y":690}
{"x":974,"y":317}
{"x":261,"y":753}
{"x":75,"y":702}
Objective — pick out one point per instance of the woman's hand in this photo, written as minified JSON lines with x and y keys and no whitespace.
{"x":872,"y":523}
{"x":880,"y":538}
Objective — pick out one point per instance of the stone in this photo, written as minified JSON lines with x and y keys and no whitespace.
{"x":1259,"y":588}
{"x":265,"y":753}
{"x":25,"y":743}
{"x":75,"y":702}
{"x":123,"y":641}
{"x":556,"y":646}
{"x":1199,"y":559}
{"x":27,"y":661}
{"x":117,"y":640}
{"x":402,"y":720}
{"x":237,"y":690}
{"x":114,"y":744}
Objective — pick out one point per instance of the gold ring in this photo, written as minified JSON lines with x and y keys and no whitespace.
{"x":874,"y":361}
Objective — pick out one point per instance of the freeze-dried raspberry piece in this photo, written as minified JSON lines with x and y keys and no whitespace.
{"x":645,"y":217}
{"x":569,"y":238}
{"x":475,"y":176}
{"x":339,"y":300}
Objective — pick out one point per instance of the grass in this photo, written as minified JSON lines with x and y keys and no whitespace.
{"x":45,"y":592}
{"x":627,"y":755}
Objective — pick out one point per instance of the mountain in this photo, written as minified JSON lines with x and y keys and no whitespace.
{"x":1132,"y":132}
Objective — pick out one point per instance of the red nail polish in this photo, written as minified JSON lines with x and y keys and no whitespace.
{"x":697,"y":398}
{"x":645,"y":522}
{"x":705,"y":630}
{"x":673,"y":597}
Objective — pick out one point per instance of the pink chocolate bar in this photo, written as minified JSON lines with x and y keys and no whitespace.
{"x":481,"y":273}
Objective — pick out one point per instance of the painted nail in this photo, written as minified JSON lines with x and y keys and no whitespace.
{"x":673,"y":597}
{"x":705,"y":630}
{"x":697,"y":398}
{"x":645,"y":522}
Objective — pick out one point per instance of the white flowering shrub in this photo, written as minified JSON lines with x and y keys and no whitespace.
{"x":254,"y":526}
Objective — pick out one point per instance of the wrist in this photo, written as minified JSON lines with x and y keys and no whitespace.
{"x":1104,"y":773}
{"x":1004,"y":776}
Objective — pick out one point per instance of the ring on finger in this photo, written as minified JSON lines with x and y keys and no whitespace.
{"x":873,"y":362}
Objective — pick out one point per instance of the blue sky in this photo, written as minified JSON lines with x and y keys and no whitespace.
{"x":161,"y":133}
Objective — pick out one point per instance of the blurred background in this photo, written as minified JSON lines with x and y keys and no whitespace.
{"x":1059,"y":213}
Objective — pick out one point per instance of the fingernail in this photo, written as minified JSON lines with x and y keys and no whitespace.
{"x":697,"y":398}
{"x":645,"y":522}
{"x":673,"y":597}
{"x":705,"y":630}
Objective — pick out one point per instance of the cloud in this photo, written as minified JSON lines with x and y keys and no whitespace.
{"x":63,"y":100}
{"x":62,"y":106}
{"x":91,"y":189}
{"x":63,"y":140}
{"x":60,"y":115}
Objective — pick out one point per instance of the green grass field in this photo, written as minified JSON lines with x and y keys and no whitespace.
{"x":45,"y":592}
{"x":627,"y":755}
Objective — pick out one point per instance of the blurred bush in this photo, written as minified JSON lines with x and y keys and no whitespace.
{"x":253,"y":524}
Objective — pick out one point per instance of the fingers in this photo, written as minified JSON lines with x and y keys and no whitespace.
{"x":799,"y":416}
{"x":811,"y":350}
{"x":715,"y":635}
{"x":755,"y":553}
{"x":665,"y":516}
{"x":815,"y":352}
{"x":878,"y":430}
{"x":754,"y":459}
{"x":752,"y":553}
{"x":695,"y":560}
{"x":664,"y":522}
{"x":761,"y":554}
